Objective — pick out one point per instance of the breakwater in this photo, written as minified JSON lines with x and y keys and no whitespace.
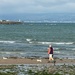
{"x":10,"y":22}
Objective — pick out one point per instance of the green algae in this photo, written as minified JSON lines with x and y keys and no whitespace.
{"x":37,"y":70}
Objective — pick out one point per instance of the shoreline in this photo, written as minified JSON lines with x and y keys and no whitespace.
{"x":35,"y":61}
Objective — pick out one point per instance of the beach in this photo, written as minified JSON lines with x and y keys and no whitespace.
{"x":35,"y":61}
{"x":29,"y":66}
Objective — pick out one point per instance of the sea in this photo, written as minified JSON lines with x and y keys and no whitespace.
{"x":32,"y":40}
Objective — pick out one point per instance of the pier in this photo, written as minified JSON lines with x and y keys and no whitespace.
{"x":10,"y":22}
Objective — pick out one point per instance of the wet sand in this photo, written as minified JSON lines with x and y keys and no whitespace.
{"x":34,"y":61}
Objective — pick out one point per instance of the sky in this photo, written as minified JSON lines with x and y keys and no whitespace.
{"x":36,"y":6}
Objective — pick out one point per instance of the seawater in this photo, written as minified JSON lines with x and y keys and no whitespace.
{"x":33,"y":39}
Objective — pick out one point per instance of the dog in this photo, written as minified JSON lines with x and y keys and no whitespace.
{"x":39,"y":60}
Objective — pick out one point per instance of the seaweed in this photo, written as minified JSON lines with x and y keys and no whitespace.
{"x":8,"y":73}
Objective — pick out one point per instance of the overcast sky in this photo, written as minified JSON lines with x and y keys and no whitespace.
{"x":37,"y":6}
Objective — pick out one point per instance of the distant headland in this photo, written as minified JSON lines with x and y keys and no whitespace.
{"x":10,"y":22}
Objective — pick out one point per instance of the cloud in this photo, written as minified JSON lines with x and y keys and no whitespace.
{"x":36,"y":6}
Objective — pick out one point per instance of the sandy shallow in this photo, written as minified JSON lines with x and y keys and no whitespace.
{"x":34,"y":61}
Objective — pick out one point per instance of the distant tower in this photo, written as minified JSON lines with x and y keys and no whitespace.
{"x":19,"y":20}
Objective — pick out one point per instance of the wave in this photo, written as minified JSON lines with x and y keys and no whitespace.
{"x":57,"y":52}
{"x":73,"y":49}
{"x":7,"y":41}
{"x":58,"y":43}
{"x":32,"y":42}
{"x":56,"y":48}
{"x":47,"y":21}
{"x":28,"y":40}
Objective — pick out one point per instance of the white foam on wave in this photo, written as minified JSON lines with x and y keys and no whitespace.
{"x":44,"y":42}
{"x":73,"y":49}
{"x":65,"y":43}
{"x":56,"y":48}
{"x":58,"y":43}
{"x":57,"y":52}
{"x":8,"y":52}
{"x":7,"y":41}
{"x":28,"y":40}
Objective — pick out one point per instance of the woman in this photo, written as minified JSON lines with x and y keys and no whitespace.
{"x":50,"y":53}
